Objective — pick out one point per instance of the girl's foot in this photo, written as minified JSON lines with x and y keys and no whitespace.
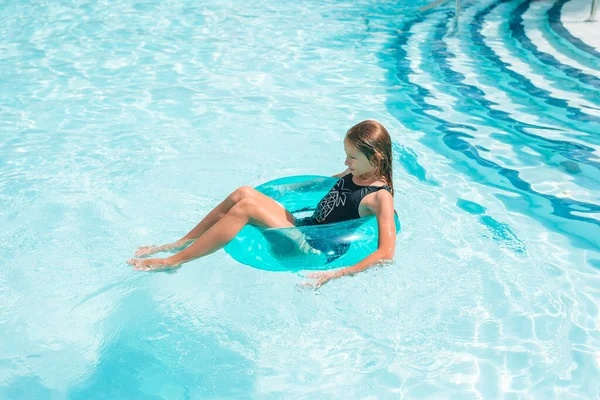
{"x":146,"y":251}
{"x":149,"y":250}
{"x":151,"y":264}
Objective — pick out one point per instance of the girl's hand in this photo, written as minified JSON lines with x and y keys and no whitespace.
{"x":320,"y":278}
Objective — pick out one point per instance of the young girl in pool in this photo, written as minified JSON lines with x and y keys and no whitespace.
{"x":364,"y":188}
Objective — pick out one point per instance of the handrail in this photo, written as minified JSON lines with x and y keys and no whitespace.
{"x":457,"y":11}
{"x":430,"y":6}
{"x":593,"y":10}
{"x":456,"y":14}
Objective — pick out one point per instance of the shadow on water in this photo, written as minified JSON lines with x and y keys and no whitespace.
{"x":501,"y":232}
{"x":409,"y":160}
{"x":138,"y":362}
{"x":153,"y":356}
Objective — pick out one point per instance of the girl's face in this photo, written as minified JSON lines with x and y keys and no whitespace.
{"x":356,"y":161}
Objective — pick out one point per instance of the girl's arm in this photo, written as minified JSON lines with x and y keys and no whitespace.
{"x":383,"y":206}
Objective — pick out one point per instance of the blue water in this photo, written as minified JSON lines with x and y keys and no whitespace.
{"x":123,"y":123}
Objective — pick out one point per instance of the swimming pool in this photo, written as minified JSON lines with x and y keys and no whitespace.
{"x":124,"y":122}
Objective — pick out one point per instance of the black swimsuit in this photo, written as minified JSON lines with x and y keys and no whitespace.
{"x":341,"y":203}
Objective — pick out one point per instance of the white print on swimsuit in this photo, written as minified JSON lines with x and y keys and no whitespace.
{"x":334,"y":198}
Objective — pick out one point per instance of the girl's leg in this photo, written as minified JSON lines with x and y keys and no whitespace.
{"x":211,"y":218}
{"x":259,"y":210}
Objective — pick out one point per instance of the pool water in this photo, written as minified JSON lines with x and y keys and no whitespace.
{"x":123,"y":123}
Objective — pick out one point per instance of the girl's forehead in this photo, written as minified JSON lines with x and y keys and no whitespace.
{"x":349,"y":148}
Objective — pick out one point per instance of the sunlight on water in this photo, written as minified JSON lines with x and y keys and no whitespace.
{"x":123,"y":123}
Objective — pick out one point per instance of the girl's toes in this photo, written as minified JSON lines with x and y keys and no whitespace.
{"x":135,"y":262}
{"x":144,"y":250}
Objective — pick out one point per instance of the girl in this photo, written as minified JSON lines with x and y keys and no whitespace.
{"x":365,"y":188}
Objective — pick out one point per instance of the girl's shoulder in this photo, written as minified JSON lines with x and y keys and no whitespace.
{"x":378,"y":201}
{"x":379,"y":183}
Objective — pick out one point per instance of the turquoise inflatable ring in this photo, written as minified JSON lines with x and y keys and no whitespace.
{"x":310,"y":247}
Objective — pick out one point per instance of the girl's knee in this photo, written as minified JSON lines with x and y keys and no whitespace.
{"x":242,"y":193}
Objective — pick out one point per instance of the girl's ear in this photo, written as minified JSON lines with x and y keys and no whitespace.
{"x":376,"y":159}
